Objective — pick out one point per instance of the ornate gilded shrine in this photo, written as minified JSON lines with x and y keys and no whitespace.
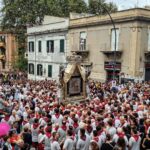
{"x":74,"y":80}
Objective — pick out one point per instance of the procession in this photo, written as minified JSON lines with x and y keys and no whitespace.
{"x":74,"y":75}
{"x":111,"y":117}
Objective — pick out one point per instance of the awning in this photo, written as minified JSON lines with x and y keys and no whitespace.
{"x":70,"y":70}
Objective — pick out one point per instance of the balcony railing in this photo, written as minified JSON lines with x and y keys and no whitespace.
{"x":82,"y":49}
{"x":107,"y":47}
{"x":107,"y":50}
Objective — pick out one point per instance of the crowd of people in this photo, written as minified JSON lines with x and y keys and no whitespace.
{"x":113,"y":117}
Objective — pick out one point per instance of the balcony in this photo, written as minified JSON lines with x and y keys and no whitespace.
{"x":106,"y":50}
{"x":82,"y":50}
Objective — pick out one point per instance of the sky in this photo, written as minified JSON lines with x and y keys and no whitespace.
{"x":122,"y":4}
{"x":126,"y":4}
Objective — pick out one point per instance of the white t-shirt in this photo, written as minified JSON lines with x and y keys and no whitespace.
{"x":111,"y":131}
{"x":34,"y":134}
{"x":58,"y":120}
{"x":83,"y":145}
{"x":135,"y":145}
{"x":69,"y":144}
{"x":55,"y":146}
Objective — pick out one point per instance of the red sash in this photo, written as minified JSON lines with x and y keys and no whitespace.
{"x":57,"y":115}
{"x":75,"y":125}
{"x":96,"y":139}
{"x":64,"y":127}
{"x":136,"y":137}
{"x":121,"y":135}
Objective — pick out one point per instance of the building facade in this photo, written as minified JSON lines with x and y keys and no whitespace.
{"x":93,"y":38}
{"x":47,"y":48}
{"x":8,"y":51}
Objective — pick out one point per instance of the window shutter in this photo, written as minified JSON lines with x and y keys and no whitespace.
{"x":41,"y":70}
{"x":49,"y":70}
{"x":52,"y":46}
{"x":47,"y":46}
{"x":32,"y":46}
{"x":39,"y":46}
{"x":62,"y":45}
{"x":32,"y":68}
{"x":113,"y":39}
{"x":37,"y":69}
{"x":29,"y":46}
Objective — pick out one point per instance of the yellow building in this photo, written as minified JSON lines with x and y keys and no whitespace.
{"x":7,"y":51}
{"x":93,"y":37}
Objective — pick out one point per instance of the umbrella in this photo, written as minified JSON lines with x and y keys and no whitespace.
{"x":4,"y":128}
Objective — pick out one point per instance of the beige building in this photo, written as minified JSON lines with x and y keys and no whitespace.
{"x":7,"y":51}
{"x":93,"y":37}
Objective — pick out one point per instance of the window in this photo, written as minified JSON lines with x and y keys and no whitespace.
{"x":62,"y":45}
{"x":83,"y":36}
{"x":49,"y":70}
{"x":113,"y":39}
{"x":40,"y":46}
{"x":31,"y":46}
{"x":149,"y":40}
{"x":31,"y":68}
{"x":50,"y":46}
{"x":39,"y":70}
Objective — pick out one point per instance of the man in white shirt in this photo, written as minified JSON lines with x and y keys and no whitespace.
{"x":57,"y":117}
{"x":135,"y":140}
{"x":84,"y":141}
{"x":54,"y":144}
{"x":69,"y":143}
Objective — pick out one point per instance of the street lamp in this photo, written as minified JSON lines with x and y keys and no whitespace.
{"x":115,"y":44}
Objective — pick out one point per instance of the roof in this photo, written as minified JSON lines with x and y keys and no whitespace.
{"x":141,"y":14}
{"x":51,"y":24}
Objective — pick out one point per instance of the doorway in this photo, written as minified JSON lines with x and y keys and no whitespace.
{"x":147,"y":74}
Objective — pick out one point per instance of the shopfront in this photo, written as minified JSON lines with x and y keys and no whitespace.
{"x":110,"y":67}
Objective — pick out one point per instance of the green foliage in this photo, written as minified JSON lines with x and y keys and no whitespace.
{"x":100,"y":7}
{"x":62,"y":8}
{"x":21,"y":63}
{"x":18,"y":14}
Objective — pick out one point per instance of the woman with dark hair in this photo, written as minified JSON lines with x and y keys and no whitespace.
{"x":108,"y":145}
{"x":146,"y":142}
{"x":121,"y":144}
{"x":27,"y":138}
{"x":6,"y":145}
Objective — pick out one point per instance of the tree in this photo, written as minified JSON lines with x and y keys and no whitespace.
{"x":17,"y":15}
{"x":99,"y":7}
{"x":62,"y":8}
